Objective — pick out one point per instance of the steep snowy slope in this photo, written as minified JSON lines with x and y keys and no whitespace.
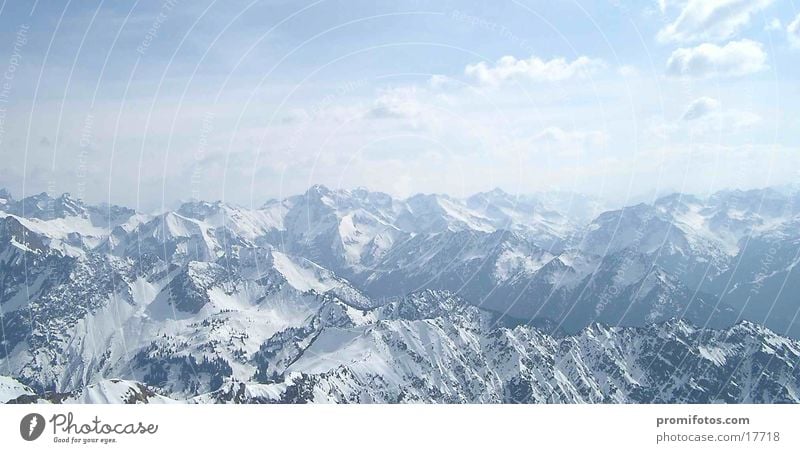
{"x":548,"y":223}
{"x":116,"y":391}
{"x":180,"y":326}
{"x":11,"y":389}
{"x":67,"y":223}
{"x":764,"y":284}
{"x":473,"y":264}
{"x":432,"y":347}
{"x":307,"y":299}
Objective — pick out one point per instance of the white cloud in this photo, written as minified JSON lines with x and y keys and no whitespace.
{"x":296,"y":115}
{"x":628,"y":71}
{"x":738,"y":119}
{"x":571,"y":143}
{"x":704,"y":118}
{"x":409,"y":106}
{"x":719,"y":121}
{"x":709,"y":60}
{"x":793,"y":31}
{"x":534,"y":69}
{"x":438,"y":81}
{"x":774,"y":25}
{"x":400,"y":102}
{"x":700,"y":108}
{"x":711,"y":20}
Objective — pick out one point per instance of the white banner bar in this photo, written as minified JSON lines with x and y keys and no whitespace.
{"x":423,"y":427}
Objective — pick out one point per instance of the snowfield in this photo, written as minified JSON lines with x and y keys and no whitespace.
{"x":354,"y":296}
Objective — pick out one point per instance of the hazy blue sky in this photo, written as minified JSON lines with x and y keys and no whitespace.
{"x":150,"y":102}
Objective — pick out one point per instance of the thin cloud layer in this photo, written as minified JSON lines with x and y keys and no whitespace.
{"x":389,"y":101}
{"x":711,"y":20}
{"x":571,"y":143}
{"x":400,"y":102}
{"x":700,"y":107}
{"x":793,"y":32}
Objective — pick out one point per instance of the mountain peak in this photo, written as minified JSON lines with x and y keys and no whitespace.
{"x":199,"y":209}
{"x":498,"y":192}
{"x":318,"y":189}
{"x":750,"y":328}
{"x":45,"y":207}
{"x":491,"y":196}
{"x":675,"y":198}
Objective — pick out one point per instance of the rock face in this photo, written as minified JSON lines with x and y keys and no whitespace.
{"x":353,"y":296}
{"x":433,"y":347}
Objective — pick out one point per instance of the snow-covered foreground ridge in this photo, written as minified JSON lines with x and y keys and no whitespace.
{"x":408,"y":356}
{"x":353,"y":296}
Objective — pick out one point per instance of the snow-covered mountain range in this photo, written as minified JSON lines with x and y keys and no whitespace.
{"x":356,"y":296}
